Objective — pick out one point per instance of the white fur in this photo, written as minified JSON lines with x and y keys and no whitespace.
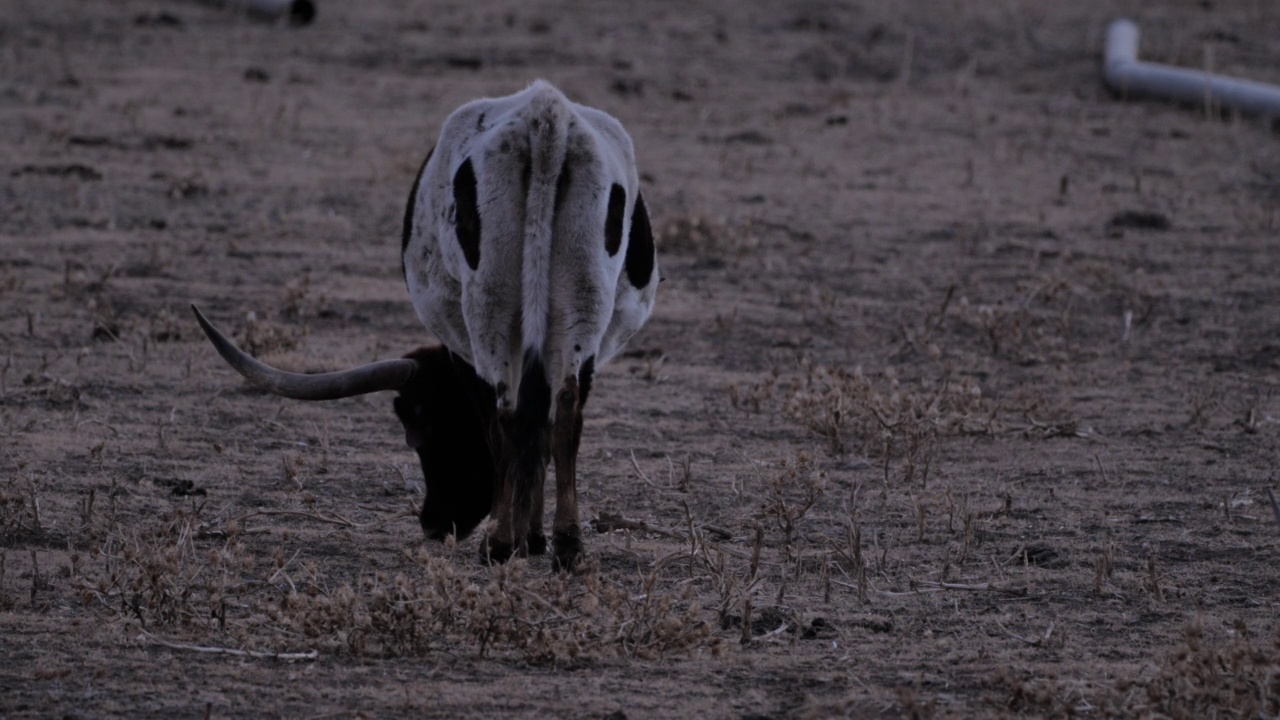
{"x":544,"y":281}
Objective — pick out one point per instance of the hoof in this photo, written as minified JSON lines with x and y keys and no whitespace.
{"x":537,"y":544}
{"x":436,"y":533}
{"x":568,"y":551}
{"x":492,"y":551}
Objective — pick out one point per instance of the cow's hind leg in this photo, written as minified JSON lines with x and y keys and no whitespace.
{"x":566,"y":434}
{"x":499,"y":544}
{"x":530,"y":478}
{"x":517,"y":502}
{"x":536,"y":537}
{"x":522,"y":437}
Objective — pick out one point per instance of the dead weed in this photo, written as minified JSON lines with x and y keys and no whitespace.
{"x":1237,"y":677}
{"x":542,"y":618}
{"x":885,"y":417}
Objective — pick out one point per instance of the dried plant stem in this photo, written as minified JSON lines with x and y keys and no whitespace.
{"x":395,"y":511}
{"x":640,"y":472}
{"x":608,"y":522}
{"x":35,"y":577}
{"x":335,"y":519}
{"x":148,"y":637}
{"x":281,"y":569}
{"x":1275,"y":506}
{"x":932,"y":587}
{"x":86,"y":511}
{"x":755,"y":554}
{"x":1037,"y":641}
{"x":1105,"y":477}
{"x":725,"y":534}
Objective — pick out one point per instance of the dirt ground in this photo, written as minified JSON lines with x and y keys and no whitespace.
{"x":960,"y":398}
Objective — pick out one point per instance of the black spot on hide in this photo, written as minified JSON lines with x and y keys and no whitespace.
{"x":468,"y":213}
{"x":411,"y":206}
{"x":613,"y":220}
{"x":640,"y":251}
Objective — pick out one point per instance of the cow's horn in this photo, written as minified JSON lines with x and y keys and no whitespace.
{"x":381,"y":375}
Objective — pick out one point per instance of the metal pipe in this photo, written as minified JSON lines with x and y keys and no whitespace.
{"x":1126,"y":74}
{"x":299,"y":12}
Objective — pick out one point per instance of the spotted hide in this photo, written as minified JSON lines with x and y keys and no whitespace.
{"x":528,"y":252}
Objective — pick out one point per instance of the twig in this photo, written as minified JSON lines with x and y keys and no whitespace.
{"x":844,"y":584}
{"x":784,"y":627}
{"x":1106,"y":479}
{"x":724,"y":534}
{"x":380,"y":509}
{"x":640,"y":472}
{"x":335,"y":520}
{"x":895,"y":593}
{"x":744,"y":555}
{"x":148,"y":637}
{"x":1275,"y":506}
{"x":661,"y":562}
{"x":929,"y":586}
{"x":282,"y":567}
{"x":946,"y":302}
{"x":606,"y":522}
{"x":959,"y":586}
{"x":1015,"y":636}
{"x":35,"y":577}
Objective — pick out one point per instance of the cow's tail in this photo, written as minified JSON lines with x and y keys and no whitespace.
{"x":549,"y":119}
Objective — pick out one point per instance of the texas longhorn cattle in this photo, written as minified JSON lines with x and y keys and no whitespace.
{"x":527,"y":251}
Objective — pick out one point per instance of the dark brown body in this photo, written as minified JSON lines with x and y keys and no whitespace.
{"x":447,"y":413}
{"x":477,"y":461}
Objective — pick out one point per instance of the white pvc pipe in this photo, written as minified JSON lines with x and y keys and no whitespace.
{"x":1125,"y":73}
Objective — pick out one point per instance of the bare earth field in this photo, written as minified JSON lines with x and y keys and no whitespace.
{"x":961,"y":398}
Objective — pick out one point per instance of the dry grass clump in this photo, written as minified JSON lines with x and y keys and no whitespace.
{"x":1238,"y":678}
{"x":1026,"y":332}
{"x":158,"y":575}
{"x":890,"y":418}
{"x":703,"y":237}
{"x":167,"y":326}
{"x":1032,"y":696}
{"x":183,"y":573}
{"x":791,"y":495}
{"x":541,"y":618}
{"x":654,"y":621}
{"x":19,"y":514}
{"x":299,"y":304}
{"x":1201,"y":678}
{"x":43,"y":388}
{"x":263,"y":337}
{"x":886,"y":417}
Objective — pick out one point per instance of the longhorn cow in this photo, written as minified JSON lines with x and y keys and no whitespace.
{"x":528,"y":252}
